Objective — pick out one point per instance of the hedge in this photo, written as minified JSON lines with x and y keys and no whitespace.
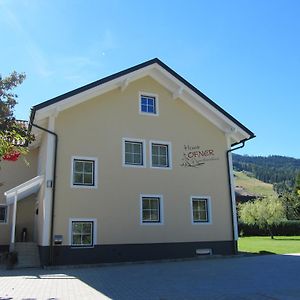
{"x":286,"y":227}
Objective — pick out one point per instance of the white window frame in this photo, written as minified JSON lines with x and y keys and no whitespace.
{"x":134,"y":140}
{"x":161,"y":210}
{"x":7,"y":214}
{"x":146,"y":94}
{"x":95,"y":159}
{"x":209,"y":214}
{"x":94,"y":238}
{"x":169,"y":144}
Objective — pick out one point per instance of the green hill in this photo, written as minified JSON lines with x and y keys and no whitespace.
{"x":252,"y":185}
{"x":280,"y":171}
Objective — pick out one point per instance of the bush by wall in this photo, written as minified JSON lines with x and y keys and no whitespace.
{"x":286,"y":227}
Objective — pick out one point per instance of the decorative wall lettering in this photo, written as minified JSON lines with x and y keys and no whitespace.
{"x":195,"y":156}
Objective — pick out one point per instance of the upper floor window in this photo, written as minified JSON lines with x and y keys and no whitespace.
{"x":84,"y":172}
{"x":3,"y":214}
{"x":160,"y":154}
{"x":200,"y":209}
{"x":148,"y":104}
{"x":133,"y":152}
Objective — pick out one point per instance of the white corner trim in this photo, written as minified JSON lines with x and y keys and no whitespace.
{"x":141,"y":93}
{"x":137,"y":140}
{"x":94,"y":220}
{"x":209,"y":207}
{"x":161,"y":209}
{"x":170,"y":154}
{"x":96,"y":179}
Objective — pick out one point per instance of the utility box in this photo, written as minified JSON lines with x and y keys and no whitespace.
{"x":58,"y":239}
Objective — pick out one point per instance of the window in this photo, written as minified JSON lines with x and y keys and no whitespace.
{"x":133,"y":153}
{"x":151,"y":209}
{"x":201,"y":210}
{"x":84,"y":171}
{"x":160,"y":155}
{"x":148,"y":104}
{"x":3,"y":214}
{"x":82,"y":232}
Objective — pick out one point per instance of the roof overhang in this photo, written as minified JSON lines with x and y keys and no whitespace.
{"x":174,"y":83}
{"x":24,"y":190}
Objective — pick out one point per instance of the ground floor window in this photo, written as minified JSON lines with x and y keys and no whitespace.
{"x":82,"y":232}
{"x":3,"y":214}
{"x":200,"y":209}
{"x":151,"y":209}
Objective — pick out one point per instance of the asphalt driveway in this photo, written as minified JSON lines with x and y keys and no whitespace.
{"x":256,"y":277}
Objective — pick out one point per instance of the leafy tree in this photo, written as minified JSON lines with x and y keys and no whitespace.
{"x":265,"y":213}
{"x":13,"y":134}
{"x":297,"y":186}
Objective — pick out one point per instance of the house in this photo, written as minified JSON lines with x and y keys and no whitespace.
{"x":135,"y":166}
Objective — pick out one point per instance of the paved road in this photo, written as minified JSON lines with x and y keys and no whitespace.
{"x":266,"y":277}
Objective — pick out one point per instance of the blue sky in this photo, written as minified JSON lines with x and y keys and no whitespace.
{"x":244,"y":55}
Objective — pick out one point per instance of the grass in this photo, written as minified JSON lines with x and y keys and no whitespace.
{"x":253,"y":185}
{"x":264,"y":244}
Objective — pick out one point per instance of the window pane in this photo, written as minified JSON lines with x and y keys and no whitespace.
{"x":154,"y":215}
{"x":202,"y":204}
{"x":150,"y":109}
{"x":203,"y":216}
{"x":77,"y":227}
{"x":146,"y":204}
{"x":137,"y":148}
{"x":146,"y":215}
{"x":88,"y":179}
{"x":144,"y":101}
{"x":78,"y":178}
{"x":163,"y":161}
{"x":137,"y":159}
{"x":86,"y":239}
{"x":127,"y":147}
{"x":128,"y":158}
{"x":144,"y":108}
{"x":88,"y":167}
{"x":155,"y":161}
{"x":154,"y":150}
{"x":87,"y":227}
{"x":76,"y":240}
{"x":150,"y":101}
{"x":196,"y":216}
{"x":163,"y":150}
{"x":78,"y":166}
{"x":154,"y":204}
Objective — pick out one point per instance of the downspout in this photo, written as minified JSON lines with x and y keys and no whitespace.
{"x":53,"y":182}
{"x":235,"y":250}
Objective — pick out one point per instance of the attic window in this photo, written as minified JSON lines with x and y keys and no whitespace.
{"x":148,"y":104}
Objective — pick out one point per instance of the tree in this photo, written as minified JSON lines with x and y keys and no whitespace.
{"x":265,"y":213}
{"x":14,"y":136}
{"x":297,"y":186}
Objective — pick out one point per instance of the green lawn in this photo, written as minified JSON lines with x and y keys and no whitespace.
{"x":264,"y":244}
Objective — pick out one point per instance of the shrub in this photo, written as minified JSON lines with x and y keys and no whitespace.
{"x":285,"y":227}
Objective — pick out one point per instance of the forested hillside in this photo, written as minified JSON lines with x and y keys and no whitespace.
{"x":281,"y":171}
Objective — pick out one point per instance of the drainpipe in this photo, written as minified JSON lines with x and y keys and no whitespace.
{"x":53,"y":182}
{"x":235,"y":250}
